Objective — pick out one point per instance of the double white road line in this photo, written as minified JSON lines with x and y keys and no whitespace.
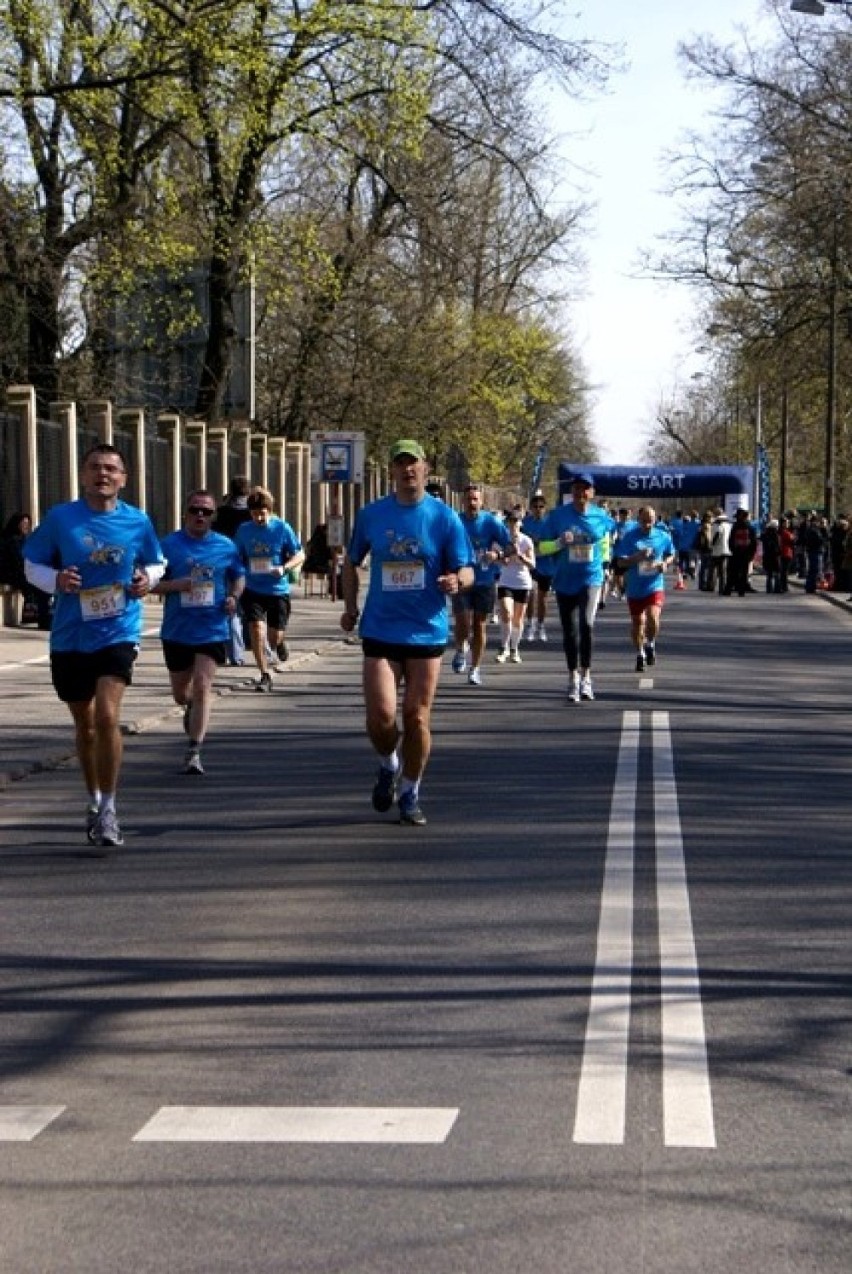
{"x":602,"y":1094}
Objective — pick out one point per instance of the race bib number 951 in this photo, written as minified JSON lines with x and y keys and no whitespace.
{"x":103,"y":603}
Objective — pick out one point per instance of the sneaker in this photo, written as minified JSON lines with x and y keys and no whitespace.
{"x":384,"y":789}
{"x":586,"y":691}
{"x":187,"y":709}
{"x":503,"y":655}
{"x":515,"y":656}
{"x":474,"y":677}
{"x":264,"y":686}
{"x":91,"y":823}
{"x":192,"y":762}
{"x":459,"y":661}
{"x":542,"y":633}
{"x":529,"y":632}
{"x":282,"y":650}
{"x":107,"y":830}
{"x":640,"y":663}
{"x":574,"y":690}
{"x":650,"y":653}
{"x":410,"y":811}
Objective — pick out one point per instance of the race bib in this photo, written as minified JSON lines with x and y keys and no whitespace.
{"x":107,"y":602}
{"x":648,"y":567}
{"x":581,"y":552}
{"x":202,"y":593}
{"x":401,"y":577}
{"x":260,"y":565}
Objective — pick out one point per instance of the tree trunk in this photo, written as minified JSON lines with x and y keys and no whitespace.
{"x":221,"y":335}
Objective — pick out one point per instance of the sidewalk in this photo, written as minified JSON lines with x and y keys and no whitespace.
{"x":36,"y":731}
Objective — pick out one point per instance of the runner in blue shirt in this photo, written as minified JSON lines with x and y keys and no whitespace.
{"x":203,"y":581}
{"x":100,"y":557}
{"x":472,"y":608}
{"x":575,"y":533}
{"x":644,"y":553}
{"x":269,"y":548}
{"x":419,"y":554}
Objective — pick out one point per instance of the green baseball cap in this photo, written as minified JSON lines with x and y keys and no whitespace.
{"x":407,"y":447}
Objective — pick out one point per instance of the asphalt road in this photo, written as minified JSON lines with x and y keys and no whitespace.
{"x":594,"y":1017}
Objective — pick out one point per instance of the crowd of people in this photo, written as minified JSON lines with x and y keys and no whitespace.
{"x":225,"y":579}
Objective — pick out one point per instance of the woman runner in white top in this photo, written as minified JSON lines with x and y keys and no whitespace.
{"x":514,"y":588}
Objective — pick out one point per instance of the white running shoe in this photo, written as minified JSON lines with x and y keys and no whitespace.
{"x":542,"y":633}
{"x":107,"y":831}
{"x":474,"y":677}
{"x":574,"y":689}
{"x":586,"y":691}
{"x":192,"y":762}
{"x":503,"y":655}
{"x":515,"y":656}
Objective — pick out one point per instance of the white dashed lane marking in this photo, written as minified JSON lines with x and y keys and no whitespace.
{"x":376,"y":1124}
{"x":24,"y":1123}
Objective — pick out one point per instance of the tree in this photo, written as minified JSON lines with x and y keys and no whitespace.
{"x":766,"y":236}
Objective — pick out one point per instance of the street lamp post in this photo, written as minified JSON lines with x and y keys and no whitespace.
{"x":831,"y":379}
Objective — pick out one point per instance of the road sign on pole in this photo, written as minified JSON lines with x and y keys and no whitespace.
{"x":337,"y":457}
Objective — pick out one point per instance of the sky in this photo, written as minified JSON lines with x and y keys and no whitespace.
{"x":633,"y":334}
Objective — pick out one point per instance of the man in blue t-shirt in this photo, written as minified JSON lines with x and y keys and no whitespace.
{"x":269,"y":548}
{"x":644,"y":553}
{"x":472,"y":608}
{"x":419,"y":554}
{"x":202,"y":584}
{"x":100,"y":557}
{"x":575,"y":533}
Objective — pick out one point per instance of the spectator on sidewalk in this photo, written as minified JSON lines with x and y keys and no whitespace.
{"x":837,"y":552}
{"x":35,"y":602}
{"x":742,"y":543}
{"x":720,"y":551}
{"x":770,"y":541}
{"x":815,"y":541}
{"x":787,"y":542}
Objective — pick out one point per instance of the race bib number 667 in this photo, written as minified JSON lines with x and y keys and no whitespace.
{"x":400,"y":577}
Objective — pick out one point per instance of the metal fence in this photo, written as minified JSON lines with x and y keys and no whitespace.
{"x":166,"y":458}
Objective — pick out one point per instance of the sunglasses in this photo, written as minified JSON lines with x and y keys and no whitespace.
{"x":197,"y":511}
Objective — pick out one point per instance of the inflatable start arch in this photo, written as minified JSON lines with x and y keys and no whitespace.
{"x":730,"y":485}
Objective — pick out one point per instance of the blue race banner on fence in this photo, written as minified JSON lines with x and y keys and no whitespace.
{"x":764,"y":483}
{"x":538,"y":470}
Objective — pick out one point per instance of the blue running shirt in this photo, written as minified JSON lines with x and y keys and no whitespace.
{"x":106,"y":548}
{"x":578,"y":565}
{"x":261,"y":548}
{"x":410,"y":546}
{"x":641,"y":580}
{"x":198,"y":617}
{"x":484,"y":531}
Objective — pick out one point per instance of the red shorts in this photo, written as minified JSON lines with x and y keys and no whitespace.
{"x":638,"y":605}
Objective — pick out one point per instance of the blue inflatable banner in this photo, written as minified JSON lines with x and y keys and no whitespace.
{"x":637,"y":482}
